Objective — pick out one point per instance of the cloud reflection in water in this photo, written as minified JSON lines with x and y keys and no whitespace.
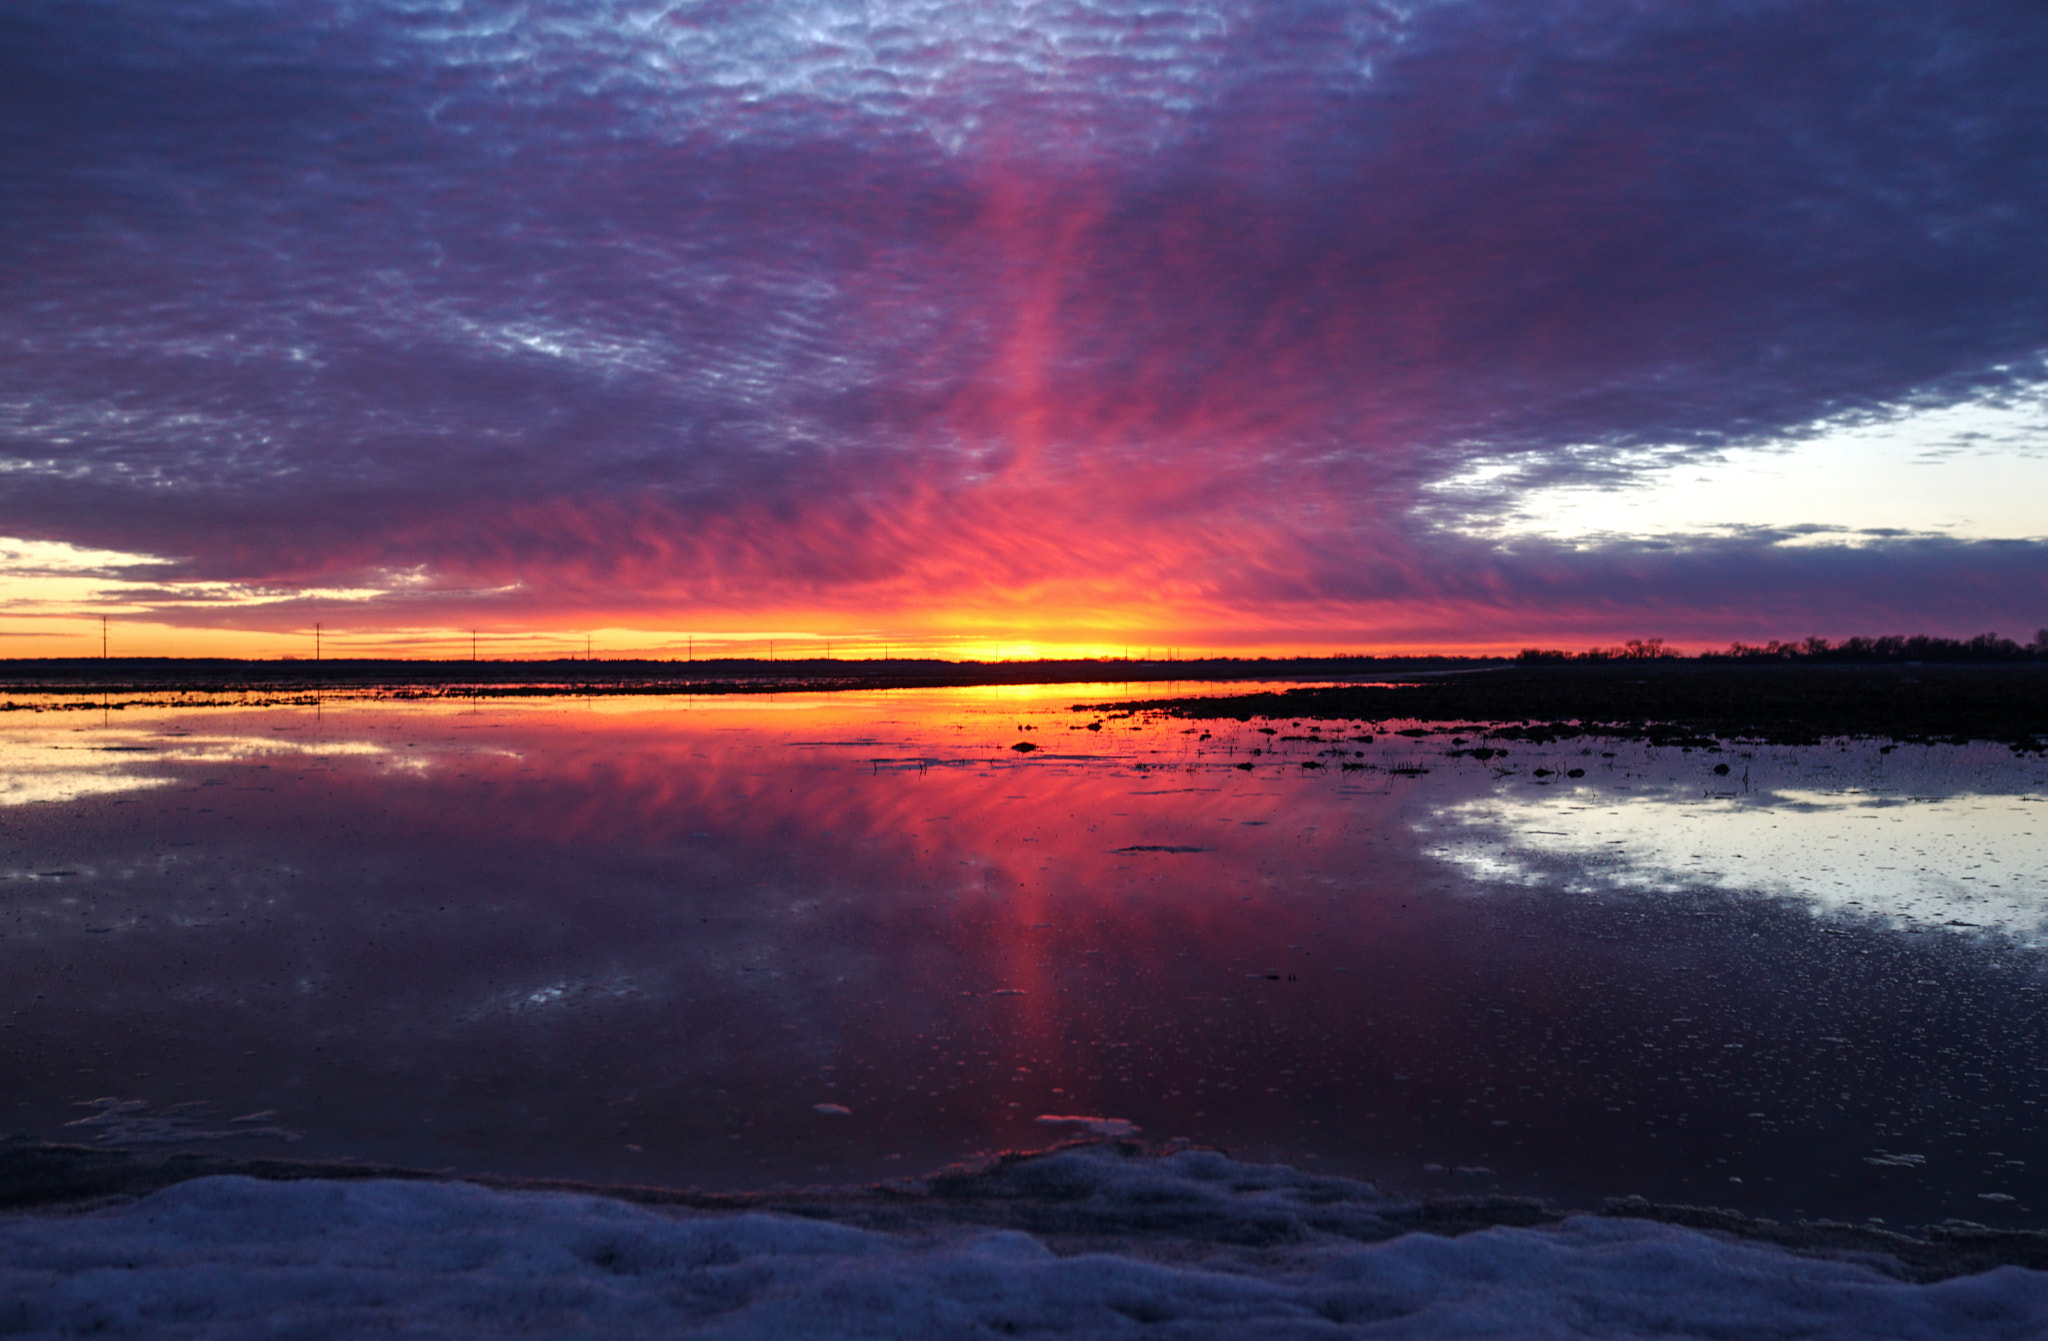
{"x":661,"y":941}
{"x":1968,"y":860}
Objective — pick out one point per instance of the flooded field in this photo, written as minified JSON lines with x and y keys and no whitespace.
{"x":794,"y":939}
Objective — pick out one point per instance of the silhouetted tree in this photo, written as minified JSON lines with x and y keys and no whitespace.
{"x":1985,"y":647}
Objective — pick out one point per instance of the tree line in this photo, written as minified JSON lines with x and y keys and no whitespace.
{"x":1985,"y":647}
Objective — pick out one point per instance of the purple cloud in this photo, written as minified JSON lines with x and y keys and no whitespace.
{"x":640,"y":306}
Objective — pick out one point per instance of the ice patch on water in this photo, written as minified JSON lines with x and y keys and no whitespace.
{"x":235,"y":1257}
{"x":1099,"y":1126}
{"x":561,"y":994}
{"x":131,"y":1122}
{"x":1969,"y":860}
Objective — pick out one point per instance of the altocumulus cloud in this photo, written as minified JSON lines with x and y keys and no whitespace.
{"x":638,"y":308}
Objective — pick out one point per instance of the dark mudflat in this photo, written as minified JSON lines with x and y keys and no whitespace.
{"x":1675,"y":701}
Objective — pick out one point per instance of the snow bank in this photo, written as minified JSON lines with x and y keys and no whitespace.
{"x":236,"y":1257}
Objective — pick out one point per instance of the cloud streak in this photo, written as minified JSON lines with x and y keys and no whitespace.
{"x":940,"y":316}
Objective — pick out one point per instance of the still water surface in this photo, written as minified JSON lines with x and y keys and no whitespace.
{"x":800,"y":939}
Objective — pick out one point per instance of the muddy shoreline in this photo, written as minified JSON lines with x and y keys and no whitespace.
{"x":1673,"y":702}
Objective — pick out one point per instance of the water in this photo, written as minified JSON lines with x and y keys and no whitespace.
{"x":797,"y":939}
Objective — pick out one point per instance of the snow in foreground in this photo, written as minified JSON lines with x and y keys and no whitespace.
{"x":235,"y":1257}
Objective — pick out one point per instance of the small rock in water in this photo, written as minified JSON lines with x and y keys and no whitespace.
{"x":832,"y":1110}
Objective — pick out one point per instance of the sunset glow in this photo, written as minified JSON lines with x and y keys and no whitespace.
{"x":1090,"y":329}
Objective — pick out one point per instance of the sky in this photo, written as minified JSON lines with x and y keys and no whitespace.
{"x":1006,"y":329}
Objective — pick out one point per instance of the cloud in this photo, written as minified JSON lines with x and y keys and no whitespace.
{"x":940,"y":310}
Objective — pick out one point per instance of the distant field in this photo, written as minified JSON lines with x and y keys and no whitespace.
{"x":161,"y":675}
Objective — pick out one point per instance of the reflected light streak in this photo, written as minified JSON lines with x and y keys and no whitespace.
{"x":42,"y":763}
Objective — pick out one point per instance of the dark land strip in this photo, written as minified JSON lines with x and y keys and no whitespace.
{"x":219,"y":679}
{"x":1672,"y":702}
{"x":1072,"y":1207}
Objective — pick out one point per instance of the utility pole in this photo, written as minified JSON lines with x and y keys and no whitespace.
{"x":103,"y":637}
{"x":316,"y":642}
{"x":472,"y":647}
{"x":586,"y":647}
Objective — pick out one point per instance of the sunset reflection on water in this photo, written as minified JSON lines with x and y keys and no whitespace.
{"x":665,"y":940}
